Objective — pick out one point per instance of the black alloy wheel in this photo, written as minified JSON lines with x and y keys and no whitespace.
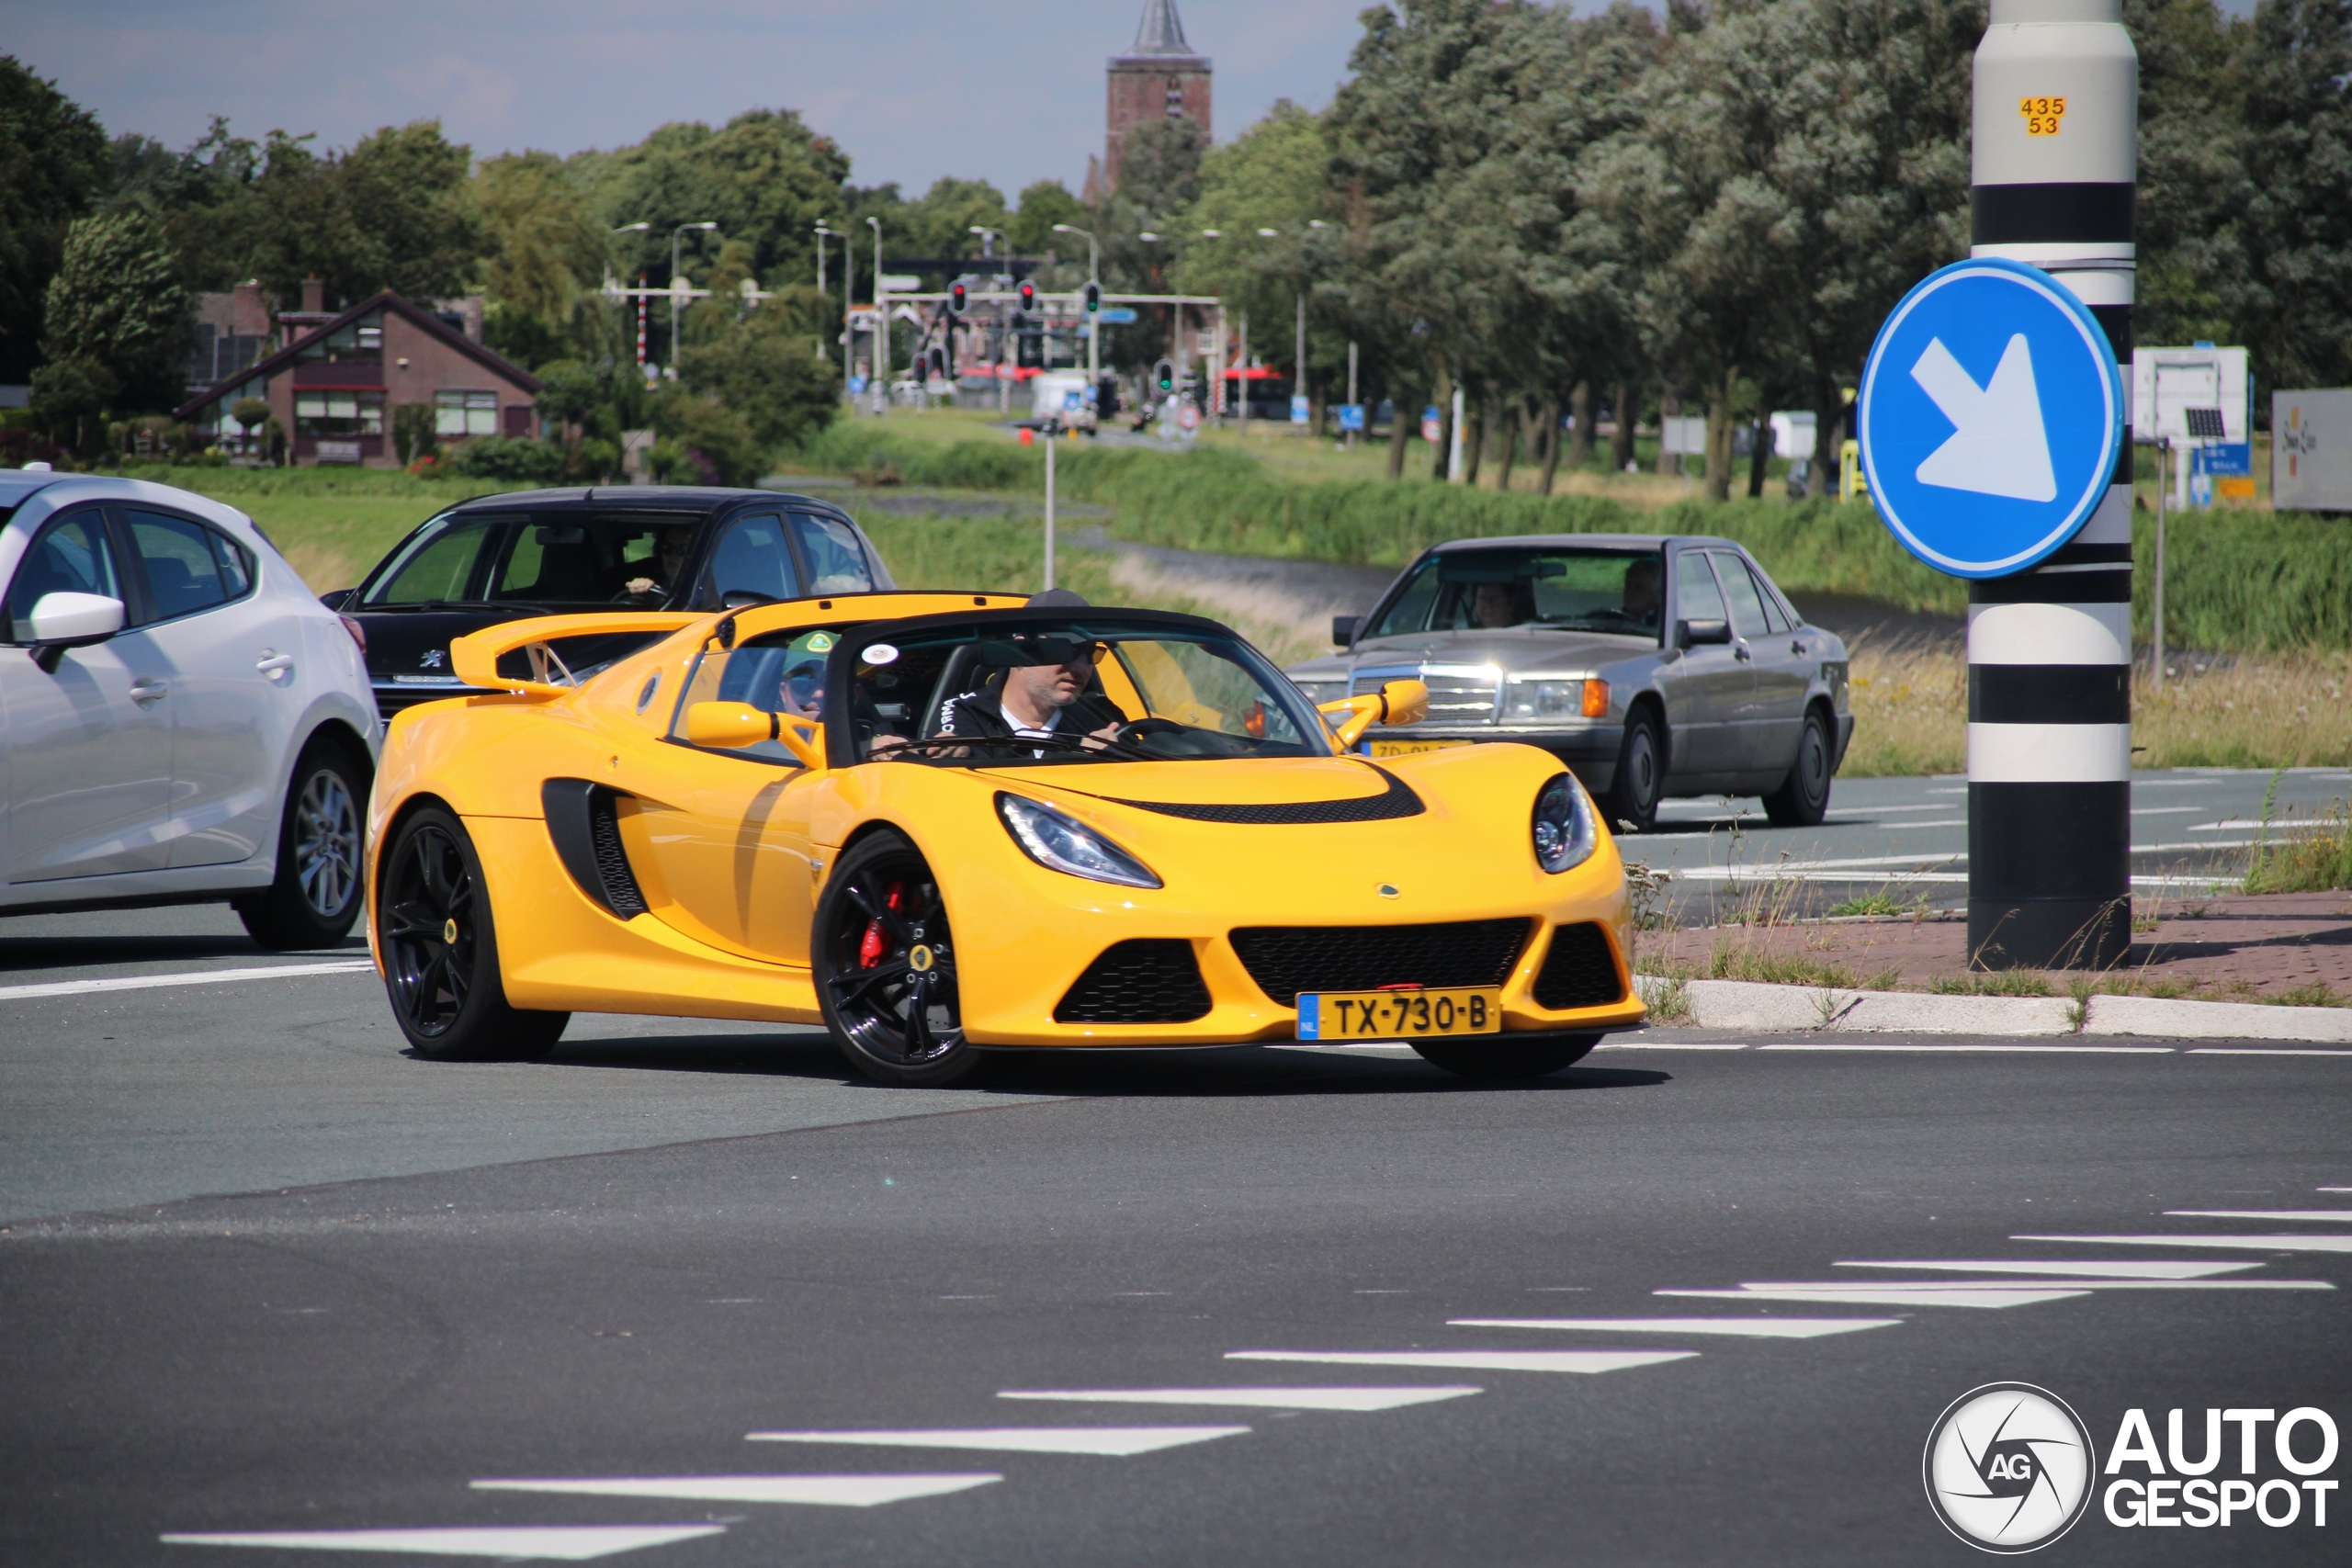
{"x":1635,"y":793}
{"x":1802,"y":799}
{"x":440,"y":951}
{"x":315,"y":895}
{"x":885,"y":965}
{"x":1500,"y":1056}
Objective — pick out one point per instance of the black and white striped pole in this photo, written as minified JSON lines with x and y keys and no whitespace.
{"x":2055,"y":162}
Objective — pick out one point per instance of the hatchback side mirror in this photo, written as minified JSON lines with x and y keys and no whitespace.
{"x":60,"y":620}
{"x":1698,"y":634}
{"x":1343,"y":630}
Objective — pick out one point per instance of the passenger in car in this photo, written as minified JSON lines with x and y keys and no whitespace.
{"x":1643,"y":581}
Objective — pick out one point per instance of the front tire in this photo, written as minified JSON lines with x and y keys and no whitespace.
{"x":1635,"y":793}
{"x":1497,"y":1058}
{"x":315,"y":896}
{"x":885,"y":966}
{"x":1802,"y":799}
{"x":439,"y":947}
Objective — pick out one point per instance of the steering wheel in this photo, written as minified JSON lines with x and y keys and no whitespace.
{"x":625,"y":597}
{"x":1134,"y":728}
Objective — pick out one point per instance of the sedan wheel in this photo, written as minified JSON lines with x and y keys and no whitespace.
{"x":1802,"y":799}
{"x":440,"y":951}
{"x":884,"y":962}
{"x":1641,"y":777}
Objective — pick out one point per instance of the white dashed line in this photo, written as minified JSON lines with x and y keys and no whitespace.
{"x":2244,"y":1243}
{"x":1357,"y":1399}
{"x":1666,"y":1046}
{"x":1118,"y":1442}
{"x":186,"y":978}
{"x":557,"y":1543}
{"x":837,"y":1491}
{"x":1751,"y":1328}
{"x":2106,"y":1270}
{"x":1477,"y":1361}
{"x":1938,"y":1293}
{"x":1978,"y":1050}
{"x":2341,"y":1216}
{"x":2267,"y":1051}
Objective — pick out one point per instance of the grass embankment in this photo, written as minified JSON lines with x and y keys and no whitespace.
{"x":333,"y":524}
{"x":2235,"y":580}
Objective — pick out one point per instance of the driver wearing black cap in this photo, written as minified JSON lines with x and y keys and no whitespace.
{"x":1052,"y":692}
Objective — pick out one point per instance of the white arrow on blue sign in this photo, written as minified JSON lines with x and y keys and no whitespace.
{"x":1991,"y":413}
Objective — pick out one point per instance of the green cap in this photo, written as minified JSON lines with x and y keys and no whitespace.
{"x":813,"y":644}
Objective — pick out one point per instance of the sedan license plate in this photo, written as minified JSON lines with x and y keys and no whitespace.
{"x":1398,"y":1015}
{"x":1408,"y":748}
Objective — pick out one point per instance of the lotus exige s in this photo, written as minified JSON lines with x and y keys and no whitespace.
{"x":942,"y":824}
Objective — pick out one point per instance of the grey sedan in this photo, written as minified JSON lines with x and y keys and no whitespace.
{"x":1652,"y":664}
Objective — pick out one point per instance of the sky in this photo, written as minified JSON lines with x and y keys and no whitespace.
{"x":1009,"y":91}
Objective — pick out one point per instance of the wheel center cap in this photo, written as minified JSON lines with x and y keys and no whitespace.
{"x":920,"y":959}
{"x":449,"y":931}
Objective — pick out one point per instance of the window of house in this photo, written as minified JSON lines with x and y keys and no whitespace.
{"x":371,"y":339}
{"x":354,"y":341}
{"x":330,"y":412}
{"x":465,"y":413}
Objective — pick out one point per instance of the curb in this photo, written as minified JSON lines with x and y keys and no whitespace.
{"x":1749,"y":1004}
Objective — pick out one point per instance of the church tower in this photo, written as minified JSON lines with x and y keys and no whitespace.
{"x":1159,"y":78}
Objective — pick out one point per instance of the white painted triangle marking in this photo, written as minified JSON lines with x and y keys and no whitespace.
{"x":2342,"y":1217}
{"x":1998,"y":445}
{"x":557,"y":1543}
{"x":1887,"y":1295}
{"x":1256,"y":1398}
{"x":1480,"y":1361}
{"x":1753,"y":1328}
{"x":1118,"y":1442}
{"x":2042,"y":1284}
{"x":2109,"y":1270}
{"x":2255,"y":1243}
{"x":840,"y":1490}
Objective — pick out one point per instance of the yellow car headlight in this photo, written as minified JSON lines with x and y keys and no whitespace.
{"x":1059,"y":842}
{"x":1566,"y":834}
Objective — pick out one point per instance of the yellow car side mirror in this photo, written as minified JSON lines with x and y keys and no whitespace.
{"x":1397,"y":702}
{"x":732,"y":727}
{"x":1408,"y":702}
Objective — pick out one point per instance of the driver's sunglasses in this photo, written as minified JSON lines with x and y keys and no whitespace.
{"x":805,"y":684}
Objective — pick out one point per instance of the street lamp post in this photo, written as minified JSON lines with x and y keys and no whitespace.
{"x":824,"y":233}
{"x":881,"y":328}
{"x":677,"y":292}
{"x":1094,"y":324}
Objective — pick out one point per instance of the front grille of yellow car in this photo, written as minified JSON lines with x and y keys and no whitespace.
{"x":1286,"y":960}
{"x":1396,"y":800}
{"x":1144,"y":980}
{"x":1459,"y":693}
{"x":1579,"y":971}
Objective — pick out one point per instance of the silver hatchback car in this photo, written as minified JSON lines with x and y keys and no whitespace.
{"x":1652,"y":664}
{"x":180,"y":720}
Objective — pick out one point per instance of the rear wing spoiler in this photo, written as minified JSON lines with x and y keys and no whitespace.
{"x":473,"y":658}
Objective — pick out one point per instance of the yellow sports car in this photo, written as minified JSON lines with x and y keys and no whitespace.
{"x":946,"y":823}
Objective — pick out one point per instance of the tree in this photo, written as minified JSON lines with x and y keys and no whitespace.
{"x":388,"y":213}
{"x":70,"y":398}
{"x":1030,"y":232}
{"x":763,"y":177}
{"x":2193,"y":269}
{"x":54,"y":165}
{"x":547,"y":251}
{"x":1159,"y":167}
{"x":117,"y":301}
{"x":2297,"y":314}
{"x":765,"y":368}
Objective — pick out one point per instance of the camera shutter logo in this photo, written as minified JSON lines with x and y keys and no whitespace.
{"x":2008,"y":1467}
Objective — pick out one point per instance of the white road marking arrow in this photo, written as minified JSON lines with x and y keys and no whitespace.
{"x":1998,"y":445}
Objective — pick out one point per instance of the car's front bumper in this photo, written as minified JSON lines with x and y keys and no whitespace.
{"x":1590,"y":750}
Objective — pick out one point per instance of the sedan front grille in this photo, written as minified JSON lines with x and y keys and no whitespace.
{"x":1458,"y":693}
{"x":1143,"y":980}
{"x":1581,"y":971}
{"x":1286,"y":960}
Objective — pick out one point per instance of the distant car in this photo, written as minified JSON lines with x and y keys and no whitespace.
{"x":180,"y":721}
{"x":500,"y":558}
{"x":1653,"y":665}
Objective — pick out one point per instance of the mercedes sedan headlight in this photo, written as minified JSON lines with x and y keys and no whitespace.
{"x":1563,"y":827}
{"x":1059,"y":842}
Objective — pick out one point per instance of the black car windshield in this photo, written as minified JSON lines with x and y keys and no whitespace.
{"x":1581,"y":590}
{"x":575,"y":559}
{"x":1078,"y":688}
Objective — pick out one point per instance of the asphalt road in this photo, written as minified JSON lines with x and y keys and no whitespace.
{"x":613,"y":1267}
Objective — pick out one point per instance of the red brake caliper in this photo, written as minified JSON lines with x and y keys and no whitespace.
{"x":871,"y":947}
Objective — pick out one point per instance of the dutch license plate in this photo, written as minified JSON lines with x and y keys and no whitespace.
{"x":1408,"y":747}
{"x":1398,"y":1015}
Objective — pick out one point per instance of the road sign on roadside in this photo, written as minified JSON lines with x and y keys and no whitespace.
{"x":1351,"y":416}
{"x":1991,"y":413}
{"x":1116,"y":315}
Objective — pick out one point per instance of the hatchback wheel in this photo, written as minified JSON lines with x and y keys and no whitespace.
{"x":885,"y":966}
{"x":439,"y":947}
{"x":315,"y":896}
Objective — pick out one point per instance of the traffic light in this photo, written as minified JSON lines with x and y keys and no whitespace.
{"x":1028,"y":295}
{"x":955,"y":300}
{"x":1094,"y":298}
{"x":1163,"y":376}
{"x":923,"y":369}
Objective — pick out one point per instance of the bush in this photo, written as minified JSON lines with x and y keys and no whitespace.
{"x":767,"y":371}
{"x":507,"y":460}
{"x":704,"y":441}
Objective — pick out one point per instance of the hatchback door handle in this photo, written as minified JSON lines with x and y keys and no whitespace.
{"x":146,"y":690}
{"x":271,"y":663}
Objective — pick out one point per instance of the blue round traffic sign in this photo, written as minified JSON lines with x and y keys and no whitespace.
{"x":1991,"y":414}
